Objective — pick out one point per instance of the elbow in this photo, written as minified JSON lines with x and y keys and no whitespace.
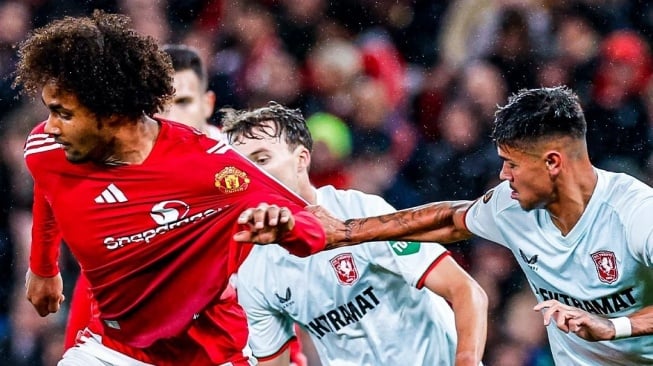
{"x":478,"y":296}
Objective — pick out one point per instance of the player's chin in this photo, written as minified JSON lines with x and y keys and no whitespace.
{"x":75,"y":156}
{"x":527,"y":205}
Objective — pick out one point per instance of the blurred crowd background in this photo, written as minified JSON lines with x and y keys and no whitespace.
{"x":400,"y":96}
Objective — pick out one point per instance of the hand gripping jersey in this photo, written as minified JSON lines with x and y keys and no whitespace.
{"x":602,"y":266}
{"x":362,"y":305}
{"x":154,"y":240}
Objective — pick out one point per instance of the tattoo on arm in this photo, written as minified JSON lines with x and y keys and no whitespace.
{"x":348,"y":224}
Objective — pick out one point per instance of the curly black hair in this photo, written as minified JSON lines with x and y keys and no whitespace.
{"x":109,"y":67}
{"x":289,"y":123}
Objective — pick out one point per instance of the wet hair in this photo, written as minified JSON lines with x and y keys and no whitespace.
{"x":109,"y":67}
{"x":289,"y":123}
{"x":187,"y":58}
{"x":533,"y":115}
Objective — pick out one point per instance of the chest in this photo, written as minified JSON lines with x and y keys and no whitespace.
{"x":107,"y":210}
{"x":595,"y":271}
{"x":332,"y":285}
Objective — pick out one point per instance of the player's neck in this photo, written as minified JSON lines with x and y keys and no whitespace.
{"x":573,"y":194}
{"x":133,"y":142}
{"x":308,"y":192}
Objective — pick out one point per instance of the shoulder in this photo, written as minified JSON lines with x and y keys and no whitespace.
{"x":186,"y":137}
{"x":261,"y":259}
{"x":38,"y":143}
{"x":497,"y":199}
{"x":352,"y":203}
{"x":619,"y":187}
{"x":630,"y":198}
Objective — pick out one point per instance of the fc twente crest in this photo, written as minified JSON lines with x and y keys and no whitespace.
{"x":606,"y":265}
{"x":345,"y":268}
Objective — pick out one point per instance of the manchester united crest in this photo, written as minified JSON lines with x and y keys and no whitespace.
{"x":606,"y":265}
{"x":231,"y":179}
{"x":345,"y":268}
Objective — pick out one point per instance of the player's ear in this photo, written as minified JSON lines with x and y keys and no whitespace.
{"x":553,"y":160}
{"x":304,"y":157}
{"x":209,"y":103}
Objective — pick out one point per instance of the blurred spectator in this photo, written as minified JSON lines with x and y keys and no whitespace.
{"x":618,"y":123}
{"x":332,"y":147}
{"x":483,"y":87}
{"x":15,"y":23}
{"x":331,"y":68}
{"x":513,"y":51}
{"x":576,"y":44}
{"x":462,"y":162}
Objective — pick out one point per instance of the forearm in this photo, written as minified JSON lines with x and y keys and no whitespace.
{"x":642,"y":322}
{"x":430,"y":222}
{"x":470,"y":307}
{"x":44,"y":249}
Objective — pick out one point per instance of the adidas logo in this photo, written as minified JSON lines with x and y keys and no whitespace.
{"x":111,"y":195}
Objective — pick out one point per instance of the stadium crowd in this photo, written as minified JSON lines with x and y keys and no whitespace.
{"x":400,"y":97}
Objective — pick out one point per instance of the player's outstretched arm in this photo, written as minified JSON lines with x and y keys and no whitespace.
{"x":593,"y":327}
{"x":469,"y":302}
{"x":441,"y":222}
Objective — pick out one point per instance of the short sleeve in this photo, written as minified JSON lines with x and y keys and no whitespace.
{"x":270,"y":330}
{"x":410,"y":260}
{"x":640,"y":231}
{"x":481,"y":218}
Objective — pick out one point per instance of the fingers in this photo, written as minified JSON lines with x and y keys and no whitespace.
{"x":46,"y":306}
{"x":243,"y":237}
{"x":263,"y":214}
{"x":566,"y":317}
{"x":44,"y":293}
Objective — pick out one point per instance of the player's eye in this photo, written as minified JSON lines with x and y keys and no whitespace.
{"x":64,"y":115}
{"x":183,"y":101}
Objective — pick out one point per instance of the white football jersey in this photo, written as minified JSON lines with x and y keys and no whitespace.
{"x":361,"y":305}
{"x":603,"y":265}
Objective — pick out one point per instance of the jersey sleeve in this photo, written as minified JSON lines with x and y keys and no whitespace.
{"x":307,"y":236}
{"x":481,"y":217}
{"x":410,"y":260}
{"x":270,"y":331}
{"x":640,"y":230}
{"x":46,"y":240}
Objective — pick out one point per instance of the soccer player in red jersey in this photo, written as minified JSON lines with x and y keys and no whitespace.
{"x":147,"y":206}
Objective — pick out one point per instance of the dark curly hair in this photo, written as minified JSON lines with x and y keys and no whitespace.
{"x":109,"y":67}
{"x":289,"y":123}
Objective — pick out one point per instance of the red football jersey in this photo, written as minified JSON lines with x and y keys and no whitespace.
{"x":154,"y":240}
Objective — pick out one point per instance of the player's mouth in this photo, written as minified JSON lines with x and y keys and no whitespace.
{"x":514,"y":194}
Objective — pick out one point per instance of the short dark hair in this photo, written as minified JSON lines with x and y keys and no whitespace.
{"x":109,"y":67}
{"x":288,"y":122}
{"x":535,"y":114}
{"x":187,"y":58}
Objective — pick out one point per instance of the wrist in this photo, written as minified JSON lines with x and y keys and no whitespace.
{"x":43,"y":272}
{"x":622,"y":327}
{"x":345,"y":234}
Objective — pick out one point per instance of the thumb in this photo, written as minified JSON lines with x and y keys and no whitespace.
{"x":243,"y":236}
